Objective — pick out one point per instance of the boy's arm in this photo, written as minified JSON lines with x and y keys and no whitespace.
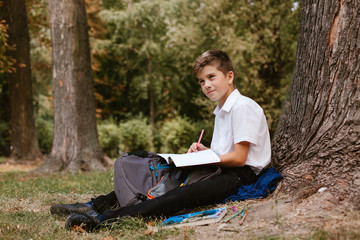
{"x":236,"y":158}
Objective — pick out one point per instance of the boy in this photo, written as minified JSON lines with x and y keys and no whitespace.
{"x":241,"y":139}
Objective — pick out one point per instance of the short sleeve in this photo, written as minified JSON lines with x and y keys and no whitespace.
{"x":246,"y":123}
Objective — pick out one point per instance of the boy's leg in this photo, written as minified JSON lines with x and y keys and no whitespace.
{"x":105,"y":202}
{"x":206,"y":192}
{"x":209,"y":191}
{"x":99,"y":204}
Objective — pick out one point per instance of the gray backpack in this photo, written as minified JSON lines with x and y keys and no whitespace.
{"x":142,"y":175}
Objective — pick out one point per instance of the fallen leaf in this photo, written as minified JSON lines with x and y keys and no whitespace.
{"x":76,"y":228}
{"x":151,"y":230}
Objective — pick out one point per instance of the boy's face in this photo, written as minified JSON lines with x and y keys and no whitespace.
{"x":214,"y":84}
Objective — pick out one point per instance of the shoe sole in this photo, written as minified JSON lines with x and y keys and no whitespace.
{"x":60,"y":210}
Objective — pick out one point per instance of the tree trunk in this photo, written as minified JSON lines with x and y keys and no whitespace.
{"x":317,"y":142}
{"x":24,"y":143}
{"x":75,"y":145}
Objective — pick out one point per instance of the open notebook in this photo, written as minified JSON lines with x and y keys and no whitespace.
{"x":191,"y":159}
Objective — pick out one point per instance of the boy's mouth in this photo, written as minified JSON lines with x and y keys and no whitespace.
{"x":209,"y":92}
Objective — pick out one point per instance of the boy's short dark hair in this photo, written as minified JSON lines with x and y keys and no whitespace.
{"x":216,"y":57}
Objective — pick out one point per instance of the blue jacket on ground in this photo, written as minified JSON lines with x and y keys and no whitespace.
{"x":266,"y":183}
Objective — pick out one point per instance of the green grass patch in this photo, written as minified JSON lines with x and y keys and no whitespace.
{"x":23,"y":185}
{"x":25,"y":199}
{"x":2,"y":159}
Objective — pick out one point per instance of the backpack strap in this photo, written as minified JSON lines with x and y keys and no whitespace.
{"x":159,"y":166}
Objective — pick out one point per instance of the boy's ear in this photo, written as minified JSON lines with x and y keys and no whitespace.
{"x":230,"y":77}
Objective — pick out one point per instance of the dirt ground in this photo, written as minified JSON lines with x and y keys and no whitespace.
{"x":276,"y":217}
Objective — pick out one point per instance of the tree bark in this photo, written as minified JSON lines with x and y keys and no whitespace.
{"x":24,"y":143}
{"x":318,"y":139}
{"x":75,"y":145}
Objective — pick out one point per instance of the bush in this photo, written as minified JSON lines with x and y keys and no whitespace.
{"x":44,"y":131}
{"x":4,"y":138}
{"x":135,"y":134}
{"x":177,"y":135}
{"x":109,"y":137}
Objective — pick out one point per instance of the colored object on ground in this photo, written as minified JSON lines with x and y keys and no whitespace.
{"x":267,"y":182}
{"x":196,"y":218}
{"x":234,"y":215}
{"x":243,"y":218}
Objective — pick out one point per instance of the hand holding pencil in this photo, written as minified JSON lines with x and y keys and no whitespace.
{"x":197,"y":146}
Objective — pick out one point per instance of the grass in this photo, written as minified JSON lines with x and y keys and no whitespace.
{"x":2,"y":159}
{"x":25,"y":199}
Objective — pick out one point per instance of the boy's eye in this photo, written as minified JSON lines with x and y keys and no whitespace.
{"x":211,"y":76}
{"x":201,"y":81}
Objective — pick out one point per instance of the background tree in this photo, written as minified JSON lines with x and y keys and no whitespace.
{"x":6,"y":66}
{"x":75,"y":144}
{"x":139,"y":40}
{"x":40,"y":50}
{"x":260,"y":36}
{"x":24,"y":144}
{"x":317,"y":143}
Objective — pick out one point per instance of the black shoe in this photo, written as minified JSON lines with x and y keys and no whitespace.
{"x":67,"y":209}
{"x":86,"y":221}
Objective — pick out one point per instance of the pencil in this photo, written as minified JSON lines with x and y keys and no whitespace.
{"x":201,"y":134}
{"x":243,"y":218}
{"x":234,"y":209}
{"x":232,"y":216}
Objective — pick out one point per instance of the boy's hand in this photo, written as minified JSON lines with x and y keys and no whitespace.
{"x":196,"y":147}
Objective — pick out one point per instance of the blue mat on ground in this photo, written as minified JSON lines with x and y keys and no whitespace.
{"x":267,"y":182}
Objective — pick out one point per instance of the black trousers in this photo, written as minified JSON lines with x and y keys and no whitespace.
{"x":210,"y":191}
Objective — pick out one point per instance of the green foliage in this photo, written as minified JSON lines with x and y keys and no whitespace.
{"x":135,"y":134}
{"x":40,"y":51}
{"x":44,"y":123}
{"x":40,"y":48}
{"x":134,"y":62}
{"x":167,"y":36}
{"x":259,"y":36}
{"x":6,"y":62}
{"x":6,"y":67}
{"x":109,"y":137}
{"x":143,"y":47}
{"x":44,"y":131}
{"x":4,"y":135}
{"x":177,"y":135}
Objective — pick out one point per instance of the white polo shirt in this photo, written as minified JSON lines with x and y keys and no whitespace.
{"x":242,"y":119}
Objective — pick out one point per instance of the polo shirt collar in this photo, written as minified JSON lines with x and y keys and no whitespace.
{"x":230,"y":101}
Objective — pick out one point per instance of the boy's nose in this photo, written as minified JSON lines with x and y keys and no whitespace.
{"x":207,"y":84}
